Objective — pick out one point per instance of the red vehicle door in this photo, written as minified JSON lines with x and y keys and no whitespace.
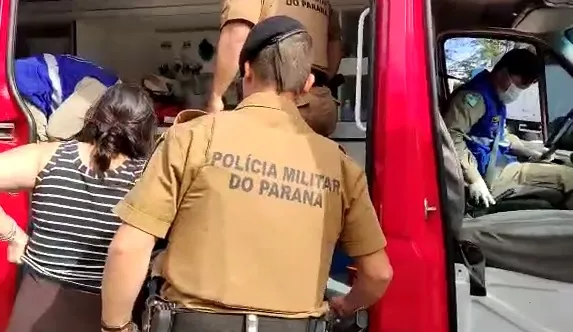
{"x":15,"y":130}
{"x":403,"y":163}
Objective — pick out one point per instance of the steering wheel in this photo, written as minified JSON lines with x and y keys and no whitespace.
{"x":551,"y":144}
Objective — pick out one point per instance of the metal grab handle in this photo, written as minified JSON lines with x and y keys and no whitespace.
{"x":358,"y":92}
{"x":7,"y":131}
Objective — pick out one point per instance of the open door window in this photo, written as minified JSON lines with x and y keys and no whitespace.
{"x":466,"y":56}
{"x":559,"y":84}
{"x":537,"y":113}
{"x":535,"y":117}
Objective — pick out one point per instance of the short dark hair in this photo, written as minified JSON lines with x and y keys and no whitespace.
{"x":122,"y":121}
{"x":287,"y":63}
{"x":523,"y":63}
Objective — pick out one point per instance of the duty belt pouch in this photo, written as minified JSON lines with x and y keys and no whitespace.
{"x":358,"y":322}
{"x":161,"y":320}
{"x":158,"y":315}
{"x":317,"y":325}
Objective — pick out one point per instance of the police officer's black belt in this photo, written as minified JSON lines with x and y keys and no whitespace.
{"x":199,"y":321}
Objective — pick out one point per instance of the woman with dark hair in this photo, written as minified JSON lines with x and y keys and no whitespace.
{"x":75,"y":185}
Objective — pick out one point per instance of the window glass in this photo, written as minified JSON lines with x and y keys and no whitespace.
{"x":559,"y":101}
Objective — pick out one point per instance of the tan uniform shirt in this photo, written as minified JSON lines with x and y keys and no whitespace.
{"x":465,"y":110}
{"x":256,"y":202}
{"x":317,"y":16}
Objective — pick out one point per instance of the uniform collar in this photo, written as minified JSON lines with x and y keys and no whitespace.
{"x":270,"y":102}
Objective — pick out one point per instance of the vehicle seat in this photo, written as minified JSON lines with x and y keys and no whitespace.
{"x":524,"y":198}
{"x":538,"y":243}
{"x":531,"y":198}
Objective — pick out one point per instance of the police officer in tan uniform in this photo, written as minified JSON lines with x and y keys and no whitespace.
{"x":318,"y":107}
{"x":253,"y":203}
{"x":475,"y":117}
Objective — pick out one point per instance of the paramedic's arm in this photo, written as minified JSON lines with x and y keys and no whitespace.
{"x":237,"y":19}
{"x":362,"y":239}
{"x":145,"y":217}
{"x":464,"y":111}
{"x":334,"y":44}
{"x":517,"y":147}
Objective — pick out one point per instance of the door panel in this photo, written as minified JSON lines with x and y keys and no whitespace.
{"x":404,"y":173}
{"x":15,"y":130}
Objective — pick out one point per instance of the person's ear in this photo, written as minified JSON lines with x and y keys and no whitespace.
{"x":248,"y":72}
{"x":309,"y":83}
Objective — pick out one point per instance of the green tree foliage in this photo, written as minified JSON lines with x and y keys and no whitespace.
{"x":463,"y":55}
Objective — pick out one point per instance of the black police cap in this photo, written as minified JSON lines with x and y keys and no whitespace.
{"x":267,"y":32}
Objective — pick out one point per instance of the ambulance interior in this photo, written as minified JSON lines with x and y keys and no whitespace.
{"x":135,"y":38}
{"x":139,"y":38}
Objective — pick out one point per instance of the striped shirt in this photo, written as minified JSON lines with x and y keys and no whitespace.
{"x":72,"y":219}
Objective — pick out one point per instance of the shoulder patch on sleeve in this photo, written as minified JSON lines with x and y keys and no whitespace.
{"x":471,"y":99}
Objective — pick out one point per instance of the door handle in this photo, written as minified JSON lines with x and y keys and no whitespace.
{"x":428,"y":208}
{"x":6,"y":131}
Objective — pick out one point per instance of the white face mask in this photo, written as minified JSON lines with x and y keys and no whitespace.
{"x":511,"y":94}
